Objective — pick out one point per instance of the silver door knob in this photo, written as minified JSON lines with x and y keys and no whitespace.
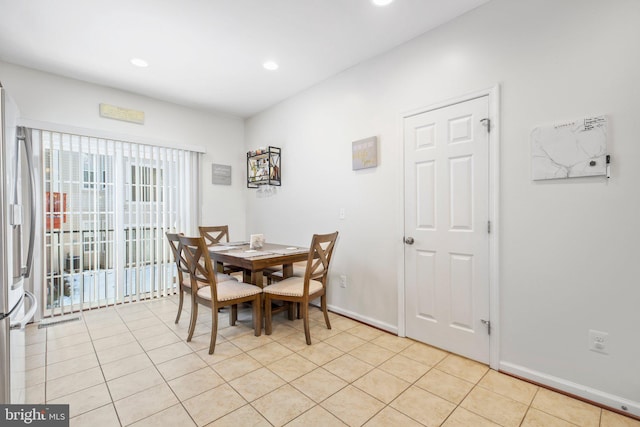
{"x":409,"y":240}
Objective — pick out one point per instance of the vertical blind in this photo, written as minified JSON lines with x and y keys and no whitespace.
{"x":108,"y":205}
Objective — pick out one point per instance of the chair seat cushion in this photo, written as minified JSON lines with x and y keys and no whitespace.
{"x":219,"y":278}
{"x":293,"y":287}
{"x":229,"y":290}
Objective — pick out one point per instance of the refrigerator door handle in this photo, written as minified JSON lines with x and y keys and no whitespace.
{"x":21,"y":323}
{"x":23,"y":131}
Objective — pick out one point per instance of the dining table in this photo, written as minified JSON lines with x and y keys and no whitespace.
{"x":254,"y":262}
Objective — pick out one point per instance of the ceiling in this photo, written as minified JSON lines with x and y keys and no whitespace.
{"x":208,"y":54}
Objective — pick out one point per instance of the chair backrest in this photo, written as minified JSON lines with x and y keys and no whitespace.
{"x":320,"y":254}
{"x":174,"y":244}
{"x":198,"y":261}
{"x":215,"y":234}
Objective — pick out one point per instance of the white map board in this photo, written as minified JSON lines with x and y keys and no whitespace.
{"x":570,"y":149}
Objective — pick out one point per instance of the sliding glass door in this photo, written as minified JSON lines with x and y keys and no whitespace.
{"x":108,"y":205}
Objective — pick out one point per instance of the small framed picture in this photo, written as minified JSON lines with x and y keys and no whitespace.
{"x":364,"y":153}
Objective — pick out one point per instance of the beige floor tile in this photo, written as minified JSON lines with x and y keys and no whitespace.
{"x":295,"y":341}
{"x":282,"y":405}
{"x":316,"y":417}
{"x":424,"y":353}
{"x":62,"y":342}
{"x":74,"y":382}
{"x":366,"y":332}
{"x":175,"y":416}
{"x":157,"y":341}
{"x":231,"y":332}
{"x":611,"y":419}
{"x":133,"y":364}
{"x":423,"y":406}
{"x":35,"y":394}
{"x":236,"y":366}
{"x":392,"y":342}
{"x":464,"y":368}
{"x":37,"y":361}
{"x":195,"y":383}
{"x":102,"y":417}
{"x":150,"y":331}
{"x":245,"y":417}
{"x":270,"y":353}
{"x":319,"y":384}
{"x":114,"y":341}
{"x":213,"y":404}
{"x":256,"y":384}
{"x":281,"y":330}
{"x":203,"y":341}
{"x":341,"y":323}
{"x":320,"y":353}
{"x":382,"y":385}
{"x":444,"y":385}
{"x":41,"y":347}
{"x":108,"y":331}
{"x":510,"y":387}
{"x":497,"y":408}
{"x":345,"y":341}
{"x":352,"y":406}
{"x":568,"y":409}
{"x":181,"y":366}
{"x":347,"y":367}
{"x":319,"y":332}
{"x":249,"y":342}
{"x":390,"y":417}
{"x":224,"y":351}
{"x":168,"y":352}
{"x":145,"y":403}
{"x":372,"y":354}
{"x":68,"y":367}
{"x":463,"y":418}
{"x":145,"y":323}
{"x":291,"y":367}
{"x":536,"y":418}
{"x":64,"y":329}
{"x":405,"y":368}
{"x":120,"y":352}
{"x":71,"y":352}
{"x":133,"y":383}
{"x":35,"y":376}
{"x":85,"y":400}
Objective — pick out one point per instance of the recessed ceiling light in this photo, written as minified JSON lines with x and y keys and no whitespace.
{"x":270,"y":65}
{"x":138,"y":62}
{"x":382,"y":2}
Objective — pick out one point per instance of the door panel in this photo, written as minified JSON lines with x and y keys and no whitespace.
{"x":446,"y":212}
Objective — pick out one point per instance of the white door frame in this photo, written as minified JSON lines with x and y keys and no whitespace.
{"x":494,"y":198}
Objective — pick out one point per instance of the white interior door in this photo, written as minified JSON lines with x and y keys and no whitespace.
{"x":446,"y":216}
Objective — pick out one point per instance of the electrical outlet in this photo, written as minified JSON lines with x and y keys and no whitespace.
{"x":598,"y":341}
{"x":342,"y":214}
{"x":343,"y":281}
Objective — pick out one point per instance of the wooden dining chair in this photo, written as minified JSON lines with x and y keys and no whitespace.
{"x":184,"y":280}
{"x":218,"y":234}
{"x":216,"y":294}
{"x":304,"y":289}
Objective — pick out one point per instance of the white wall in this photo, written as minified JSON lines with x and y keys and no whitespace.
{"x":53,"y":99}
{"x":569,"y":257}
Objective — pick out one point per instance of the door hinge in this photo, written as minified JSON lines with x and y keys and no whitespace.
{"x":487,"y":323}
{"x":489,"y":227}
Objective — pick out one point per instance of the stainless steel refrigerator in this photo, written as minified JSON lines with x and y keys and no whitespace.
{"x":17,"y":243}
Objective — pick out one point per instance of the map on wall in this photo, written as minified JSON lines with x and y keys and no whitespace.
{"x":570,"y":149}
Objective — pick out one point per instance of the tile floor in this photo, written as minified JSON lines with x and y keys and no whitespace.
{"x":131,"y":365}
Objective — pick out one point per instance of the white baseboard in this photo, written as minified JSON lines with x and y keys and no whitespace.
{"x":369,"y":321}
{"x":588,"y":393}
